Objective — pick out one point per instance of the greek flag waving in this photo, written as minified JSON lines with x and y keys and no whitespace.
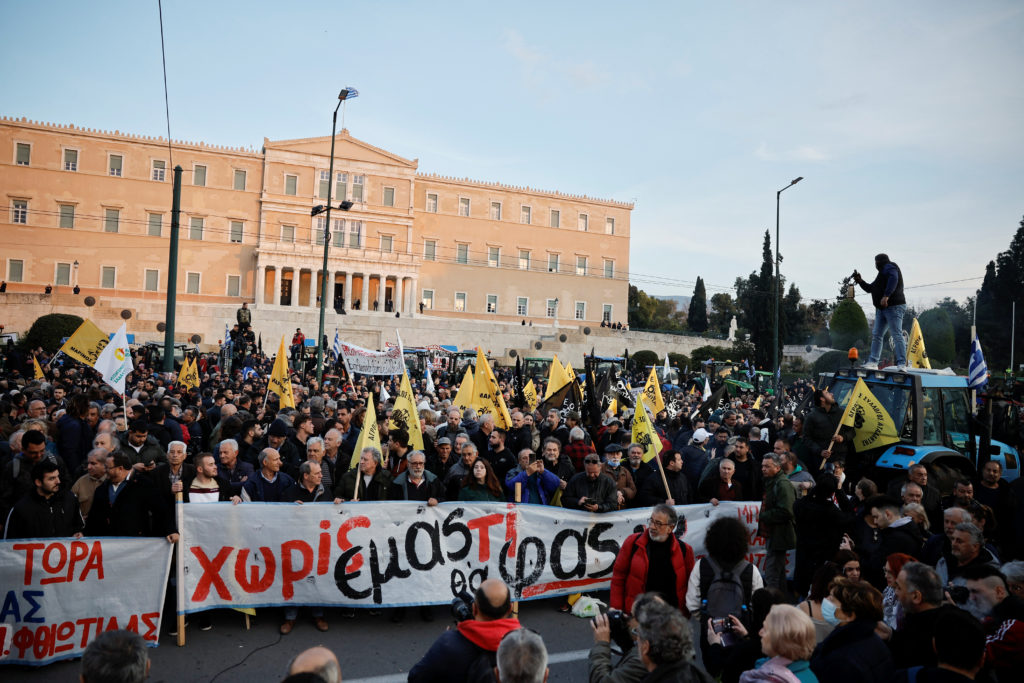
{"x":337,"y":345}
{"x":977,"y":374}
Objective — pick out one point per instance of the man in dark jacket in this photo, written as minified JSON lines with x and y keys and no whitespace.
{"x":468,"y":652}
{"x":653,"y":490}
{"x":820,"y":432}
{"x":920,"y":593}
{"x":887,"y":295}
{"x":140,"y":448}
{"x":127,"y":504}
{"x":591,"y":490}
{"x":416,"y":482}
{"x":309,"y":488}
{"x":270,"y":483}
{"x":777,"y":522}
{"x":51,"y":511}
{"x":896,"y":534}
{"x":369,"y":481}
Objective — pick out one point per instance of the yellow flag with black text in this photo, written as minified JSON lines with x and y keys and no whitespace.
{"x":644,"y":433}
{"x":530,"y":392}
{"x":38,"y":370}
{"x":464,"y":396}
{"x":369,"y":435}
{"x":872,"y":425}
{"x":280,"y":381}
{"x":651,"y":395}
{"x":557,"y":378}
{"x":405,"y":416}
{"x":86,"y":344}
{"x":916,"y":354}
{"x":487,"y":397}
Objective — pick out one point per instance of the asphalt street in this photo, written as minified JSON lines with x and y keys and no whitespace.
{"x":371,"y":649}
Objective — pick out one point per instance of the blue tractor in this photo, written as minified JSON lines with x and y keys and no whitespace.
{"x":932,"y":413}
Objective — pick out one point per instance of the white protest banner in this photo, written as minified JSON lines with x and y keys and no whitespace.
{"x":61,"y":593}
{"x":406,"y":553}
{"x":367,"y":362}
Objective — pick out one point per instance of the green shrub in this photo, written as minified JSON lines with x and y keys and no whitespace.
{"x":849,"y":325}
{"x":48,"y":330}
{"x":641,"y":359}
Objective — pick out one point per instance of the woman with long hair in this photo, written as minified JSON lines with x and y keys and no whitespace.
{"x":481,"y":484}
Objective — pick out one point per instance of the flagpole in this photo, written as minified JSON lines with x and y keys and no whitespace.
{"x":179,"y":508}
{"x":974,"y":335}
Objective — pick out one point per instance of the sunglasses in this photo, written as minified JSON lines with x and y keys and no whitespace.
{"x":592,"y":461}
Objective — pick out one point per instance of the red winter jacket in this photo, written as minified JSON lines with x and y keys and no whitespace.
{"x":629,"y":574}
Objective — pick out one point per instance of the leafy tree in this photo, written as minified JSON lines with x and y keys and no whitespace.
{"x":960,"y":316}
{"x":830,"y":362}
{"x":48,"y":330}
{"x":849,"y":325}
{"x":697,"y":318}
{"x":703,"y":353}
{"x":641,"y":359}
{"x":723,"y":309}
{"x":678,"y":360}
{"x":650,"y":313}
{"x":937,"y":330}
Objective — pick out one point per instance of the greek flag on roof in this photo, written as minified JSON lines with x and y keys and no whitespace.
{"x":977,"y":375}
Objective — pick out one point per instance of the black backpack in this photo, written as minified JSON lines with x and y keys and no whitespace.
{"x":725,"y":591}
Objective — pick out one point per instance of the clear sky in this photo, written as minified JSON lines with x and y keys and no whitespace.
{"x":906,"y":119}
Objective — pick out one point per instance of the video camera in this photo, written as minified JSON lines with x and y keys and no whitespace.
{"x":462,"y":606}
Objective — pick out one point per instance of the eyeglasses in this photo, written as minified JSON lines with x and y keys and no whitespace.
{"x":654,"y":522}
{"x":592,"y":461}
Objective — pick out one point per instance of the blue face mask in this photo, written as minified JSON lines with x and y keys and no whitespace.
{"x":613,"y":463}
{"x":828,"y":612}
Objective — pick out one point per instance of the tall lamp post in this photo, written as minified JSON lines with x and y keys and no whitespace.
{"x":778,"y":300}
{"x":346,"y":94}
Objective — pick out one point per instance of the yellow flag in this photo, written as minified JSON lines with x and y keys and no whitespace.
{"x":651,"y":395}
{"x":614,"y":406}
{"x":916,"y":354}
{"x":35,"y":366}
{"x":486,"y":396}
{"x":369,"y":435}
{"x":86,"y":344}
{"x":530,"y":392}
{"x":183,"y":380}
{"x":757,"y":403}
{"x":464,"y":396}
{"x":193,"y":374}
{"x":644,"y":434}
{"x":871,"y":423}
{"x":280,"y":381}
{"x":405,"y":416}
{"x":557,"y":378}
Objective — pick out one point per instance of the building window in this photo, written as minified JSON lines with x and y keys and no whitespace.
{"x":19,"y":211}
{"x":324,"y":185}
{"x":108,"y":277}
{"x":15,"y":270}
{"x":355,"y":234}
{"x":462,"y":253}
{"x":522,"y":306}
{"x":67,"y":216}
{"x":428,"y":299}
{"x":460,"y":302}
{"x":464,"y":206}
{"x":152,"y":280}
{"x":318,"y":231}
{"x":23,"y":154}
{"x":291,"y":184}
{"x":386,"y":244}
{"x":495,"y":211}
{"x":551,"y":308}
{"x":429,"y":250}
{"x":195,"y":228}
{"x":111,"y":220}
{"x":552,"y":263}
{"x":234,"y":285}
{"x":525,"y":215}
{"x":492,"y":303}
{"x":524,"y":259}
{"x":556,"y":218}
{"x":581,"y":265}
{"x":606,"y":313}
{"x":609,"y":269}
{"x":389,"y":196}
{"x":287,"y":233}
{"x":581,"y":310}
{"x":431,"y":202}
{"x":584,"y":223}
{"x":71,"y":160}
{"x":236,"y":231}
{"x":199,"y":175}
{"x":159,"y":170}
{"x":609,"y":226}
{"x":115,"y":162}
{"x":62,"y":274}
{"x":156,"y":221}
{"x":338,"y":232}
{"x":357,"y":187}
{"x":191,"y":283}
{"x":341,"y":186}
{"x":239,"y":179}
{"x":494,"y":257}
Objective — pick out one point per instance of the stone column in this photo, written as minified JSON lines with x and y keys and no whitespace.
{"x":348,"y":291}
{"x":365,"y":299}
{"x":313,"y":289}
{"x":383,"y":280}
{"x":261,"y":284}
{"x":414,"y":296}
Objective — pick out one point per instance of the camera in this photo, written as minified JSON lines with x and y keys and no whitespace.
{"x":462,"y":606}
{"x":618,"y":624}
{"x":722,"y":625}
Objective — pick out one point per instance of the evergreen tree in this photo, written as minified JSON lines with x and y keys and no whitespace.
{"x":849,"y":326}
{"x":755,"y":297}
{"x":1003,"y":285}
{"x":723,"y":309}
{"x":697,"y":318}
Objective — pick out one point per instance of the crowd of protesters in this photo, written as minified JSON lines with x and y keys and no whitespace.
{"x":887,"y":576}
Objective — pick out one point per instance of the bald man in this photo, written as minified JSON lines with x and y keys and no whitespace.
{"x":318,"y":661}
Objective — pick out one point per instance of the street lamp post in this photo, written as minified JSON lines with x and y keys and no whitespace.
{"x":778,"y":299}
{"x":346,"y":94}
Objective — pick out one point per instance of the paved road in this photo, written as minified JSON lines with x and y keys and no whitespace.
{"x":371,"y":649}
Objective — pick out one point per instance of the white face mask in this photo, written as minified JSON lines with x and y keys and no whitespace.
{"x":828,"y":612}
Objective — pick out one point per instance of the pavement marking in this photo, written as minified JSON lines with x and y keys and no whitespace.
{"x":559,"y":658}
